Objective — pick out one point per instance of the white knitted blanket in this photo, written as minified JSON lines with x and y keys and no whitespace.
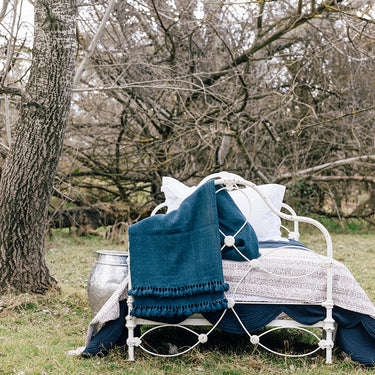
{"x":282,"y":275}
{"x":292,"y":275}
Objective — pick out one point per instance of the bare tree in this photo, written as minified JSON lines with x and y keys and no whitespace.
{"x":29,"y":171}
{"x":275,"y":91}
{"x":269,"y":90}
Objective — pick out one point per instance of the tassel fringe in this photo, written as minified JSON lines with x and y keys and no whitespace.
{"x":183,"y":291}
{"x":179,"y":311}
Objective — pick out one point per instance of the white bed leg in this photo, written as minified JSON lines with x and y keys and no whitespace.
{"x":329,"y":328}
{"x":130,"y":325}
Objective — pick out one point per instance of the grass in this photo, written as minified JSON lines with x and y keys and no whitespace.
{"x":36,"y":331}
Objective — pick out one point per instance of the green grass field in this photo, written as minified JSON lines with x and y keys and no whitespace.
{"x":36,"y":331}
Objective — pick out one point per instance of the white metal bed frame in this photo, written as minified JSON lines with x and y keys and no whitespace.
{"x":327,"y":325}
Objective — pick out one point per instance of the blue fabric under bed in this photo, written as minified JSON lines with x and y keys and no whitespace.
{"x":286,"y":242}
{"x":355,"y":333}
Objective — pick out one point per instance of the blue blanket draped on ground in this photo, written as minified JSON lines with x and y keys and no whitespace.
{"x":176,"y":262}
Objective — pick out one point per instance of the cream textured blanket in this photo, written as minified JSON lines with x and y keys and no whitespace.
{"x":291,"y":275}
{"x":282,"y":275}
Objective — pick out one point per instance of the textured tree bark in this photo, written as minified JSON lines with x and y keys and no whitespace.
{"x":29,"y":171}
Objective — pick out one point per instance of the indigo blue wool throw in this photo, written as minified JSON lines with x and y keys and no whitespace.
{"x":234,"y":226}
{"x":176,"y":260}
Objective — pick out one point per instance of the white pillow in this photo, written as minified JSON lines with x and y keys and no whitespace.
{"x":265,"y":222}
{"x":175,"y":192}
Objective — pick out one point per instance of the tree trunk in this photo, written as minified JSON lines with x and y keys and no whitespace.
{"x":29,"y":171}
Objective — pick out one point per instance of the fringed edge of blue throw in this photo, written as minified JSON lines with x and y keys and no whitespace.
{"x":169,"y":311}
{"x":181,"y":291}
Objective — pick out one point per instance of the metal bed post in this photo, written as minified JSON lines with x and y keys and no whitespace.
{"x":130,"y":321}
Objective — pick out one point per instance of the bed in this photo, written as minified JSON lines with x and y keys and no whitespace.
{"x":237,"y":274}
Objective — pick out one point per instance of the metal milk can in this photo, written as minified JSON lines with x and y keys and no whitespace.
{"x":109,"y":270}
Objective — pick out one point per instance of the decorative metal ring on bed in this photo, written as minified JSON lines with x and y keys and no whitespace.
{"x":239,"y":303}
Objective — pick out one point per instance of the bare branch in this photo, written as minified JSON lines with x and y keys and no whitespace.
{"x":352,"y":113}
{"x":330,"y":165}
{"x":4,"y":9}
{"x":94,"y":42}
{"x":13,"y":91}
{"x":294,"y":22}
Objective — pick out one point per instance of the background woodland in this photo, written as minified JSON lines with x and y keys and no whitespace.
{"x":275,"y":91}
